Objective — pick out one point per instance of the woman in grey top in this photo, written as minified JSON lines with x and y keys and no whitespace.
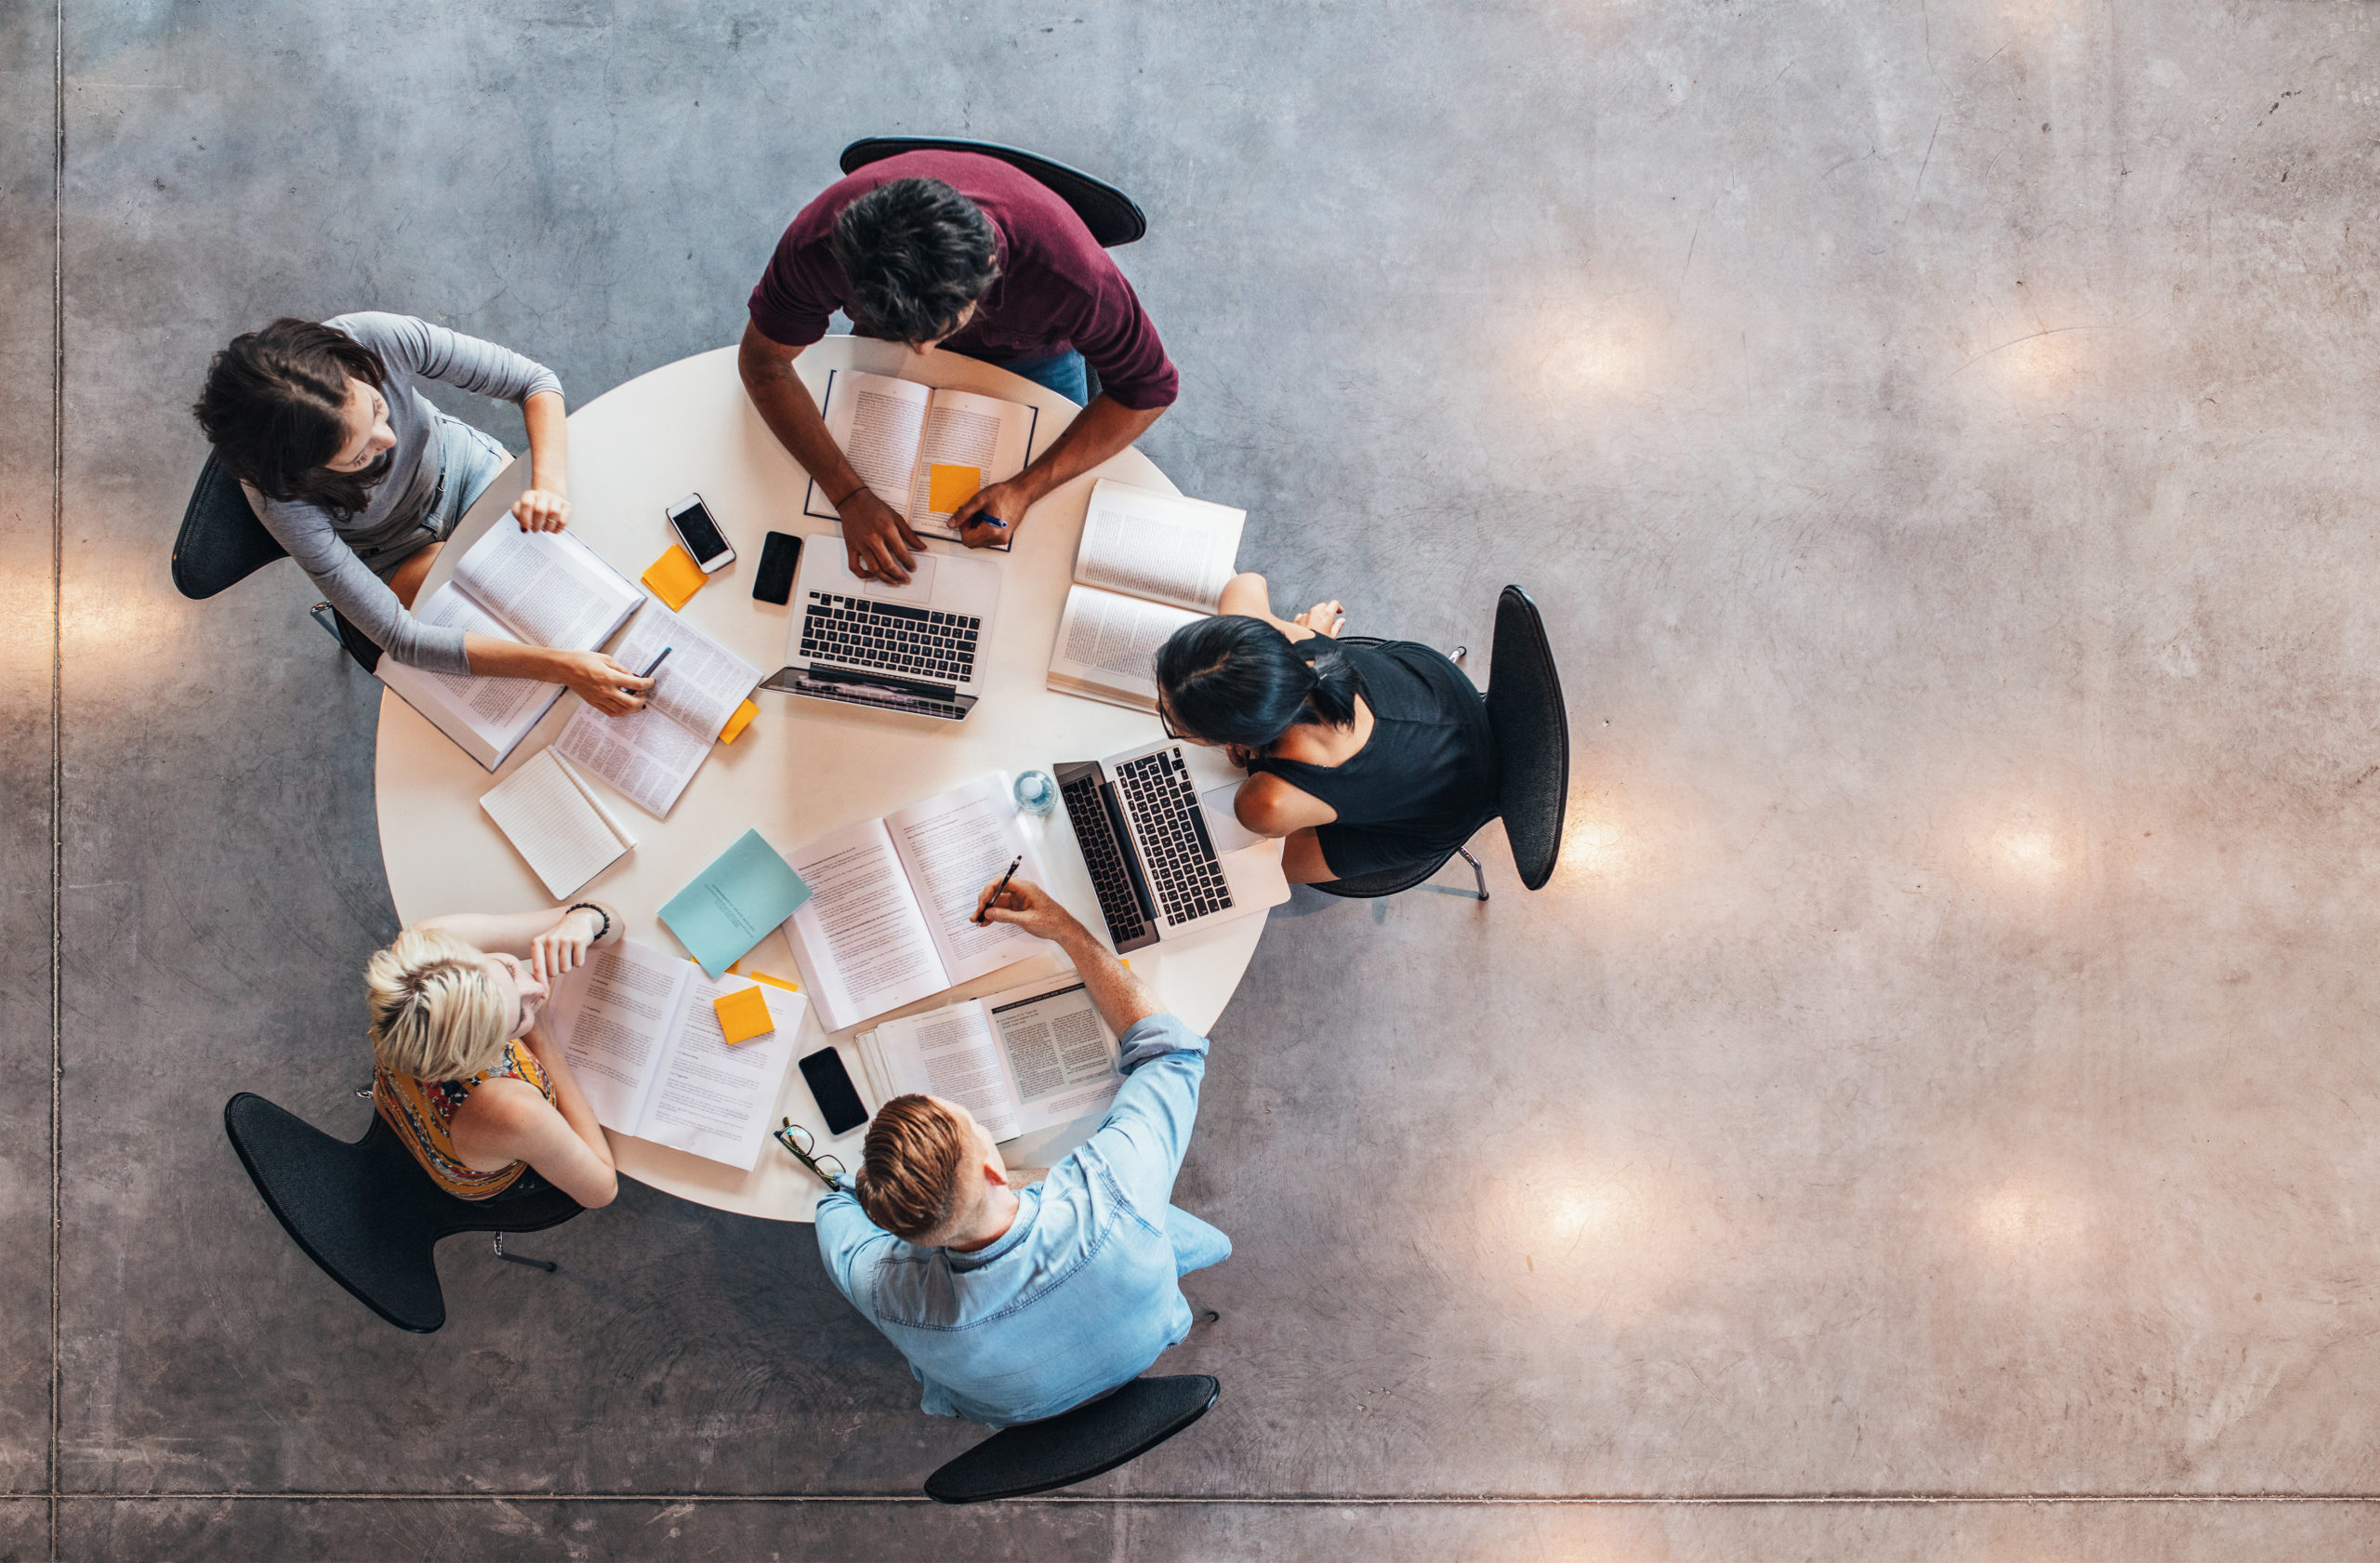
{"x":361,"y":478}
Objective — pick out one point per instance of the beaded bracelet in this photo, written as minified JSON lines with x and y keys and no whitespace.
{"x":591,"y":907}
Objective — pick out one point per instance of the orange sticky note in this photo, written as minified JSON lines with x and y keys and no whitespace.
{"x":744,"y":1014}
{"x":736,"y":724}
{"x":774,"y":982}
{"x":674,"y":576}
{"x":949,"y":487}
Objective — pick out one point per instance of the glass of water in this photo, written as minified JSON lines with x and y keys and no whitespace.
{"x":1036,"y":792}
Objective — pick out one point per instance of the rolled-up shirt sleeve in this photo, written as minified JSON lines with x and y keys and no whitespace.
{"x":1147,"y":1131}
{"x":362,"y":598}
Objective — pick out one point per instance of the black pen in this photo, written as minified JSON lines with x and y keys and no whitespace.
{"x":1002,"y":890}
{"x":655,"y":663}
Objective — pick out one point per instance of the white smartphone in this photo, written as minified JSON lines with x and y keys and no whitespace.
{"x":690,"y":519}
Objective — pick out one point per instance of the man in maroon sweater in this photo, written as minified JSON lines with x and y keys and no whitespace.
{"x":957,"y":250}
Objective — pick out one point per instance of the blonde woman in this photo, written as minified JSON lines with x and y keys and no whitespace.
{"x":466,"y":1076}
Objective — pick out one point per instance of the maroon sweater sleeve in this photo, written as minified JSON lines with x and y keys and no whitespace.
{"x":802,"y":285}
{"x":1117,"y":339}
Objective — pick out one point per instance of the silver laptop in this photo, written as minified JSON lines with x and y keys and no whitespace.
{"x":1165,"y":853}
{"x":919,"y":648}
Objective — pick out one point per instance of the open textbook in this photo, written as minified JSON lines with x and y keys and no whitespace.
{"x":1149,"y":563}
{"x":1031,"y":1058}
{"x":549,"y":814}
{"x":639,"y":1032}
{"x":545,"y":588}
{"x":651,"y":754}
{"x":924,"y":451}
{"x":890,"y":918}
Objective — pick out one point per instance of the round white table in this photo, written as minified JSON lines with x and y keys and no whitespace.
{"x":805,"y":766}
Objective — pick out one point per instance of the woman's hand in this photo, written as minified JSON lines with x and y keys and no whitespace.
{"x":542,"y":510}
{"x":1324,"y":618}
{"x":562,"y":947}
{"x":601,"y":682}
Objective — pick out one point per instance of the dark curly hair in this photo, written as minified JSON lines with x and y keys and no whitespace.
{"x":274,"y":407}
{"x":915,"y":253}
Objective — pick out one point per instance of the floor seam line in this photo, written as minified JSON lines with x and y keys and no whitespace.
{"x":57,"y":749}
{"x":1324,"y":1499}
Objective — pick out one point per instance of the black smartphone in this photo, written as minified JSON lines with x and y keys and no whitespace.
{"x":774,"y":582}
{"x":690,"y":519}
{"x":831,"y":1087}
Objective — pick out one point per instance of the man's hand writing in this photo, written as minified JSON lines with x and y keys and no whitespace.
{"x":991,"y":516}
{"x":1028,"y":906}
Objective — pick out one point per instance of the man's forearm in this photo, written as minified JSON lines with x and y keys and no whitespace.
{"x":1098,"y":431}
{"x":1124,"y":1000}
{"x":787,"y":406}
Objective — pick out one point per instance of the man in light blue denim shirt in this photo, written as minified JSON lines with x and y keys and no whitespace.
{"x":1016,"y":1305}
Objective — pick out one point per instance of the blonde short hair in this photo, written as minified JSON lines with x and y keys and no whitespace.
{"x":436,"y":1013}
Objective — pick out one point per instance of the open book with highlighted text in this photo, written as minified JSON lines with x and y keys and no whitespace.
{"x":924,"y":451}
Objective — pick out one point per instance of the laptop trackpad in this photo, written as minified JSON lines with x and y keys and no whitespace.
{"x":916,"y":595}
{"x":1223,"y":825}
{"x":831,"y":572}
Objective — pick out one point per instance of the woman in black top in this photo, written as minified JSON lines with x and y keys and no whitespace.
{"x":1366,"y":758}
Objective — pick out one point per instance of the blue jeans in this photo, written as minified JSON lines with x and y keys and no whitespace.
{"x":1064,"y":373}
{"x":468,"y":461}
{"x":1195,"y":1244}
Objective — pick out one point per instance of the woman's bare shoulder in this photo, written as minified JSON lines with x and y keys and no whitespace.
{"x":1270,"y":806}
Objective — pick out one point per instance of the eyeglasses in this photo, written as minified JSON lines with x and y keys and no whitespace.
{"x":799,"y":1142}
{"x":1171,"y":731}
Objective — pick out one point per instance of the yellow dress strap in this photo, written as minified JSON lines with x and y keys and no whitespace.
{"x":422,"y":1114}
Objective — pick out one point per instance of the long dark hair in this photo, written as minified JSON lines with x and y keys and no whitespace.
{"x":1234,"y":680}
{"x":273,"y":406}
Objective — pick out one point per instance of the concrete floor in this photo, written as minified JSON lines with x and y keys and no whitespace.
{"x":1940,"y":436}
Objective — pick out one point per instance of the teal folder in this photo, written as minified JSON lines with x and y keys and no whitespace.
{"x":732,"y":904}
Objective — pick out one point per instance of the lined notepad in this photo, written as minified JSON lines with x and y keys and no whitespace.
{"x":553,"y":818}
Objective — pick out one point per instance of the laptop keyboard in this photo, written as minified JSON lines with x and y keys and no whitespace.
{"x":1103,"y":856}
{"x":1183,"y":872}
{"x":858,"y":633}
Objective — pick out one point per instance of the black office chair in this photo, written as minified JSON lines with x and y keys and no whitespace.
{"x":1085,"y":1442}
{"x":367,"y":1214}
{"x":1113,"y":217}
{"x":222,"y":543}
{"x":1532,"y":733}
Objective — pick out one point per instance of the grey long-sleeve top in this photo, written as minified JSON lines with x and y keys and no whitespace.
{"x":328,"y":550}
